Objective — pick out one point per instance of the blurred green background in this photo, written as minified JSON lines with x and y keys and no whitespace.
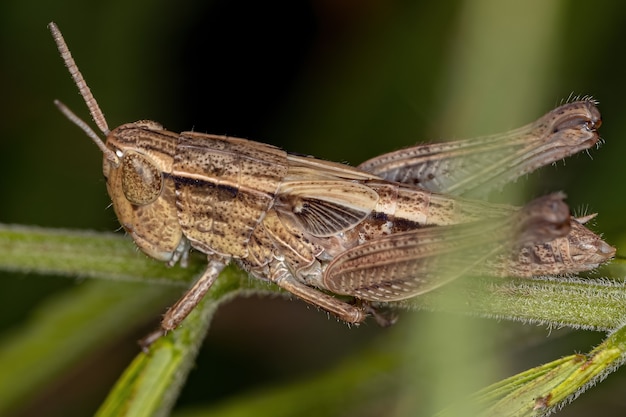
{"x":343,"y":81}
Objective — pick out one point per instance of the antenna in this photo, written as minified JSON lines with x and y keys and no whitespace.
{"x":85,"y":92}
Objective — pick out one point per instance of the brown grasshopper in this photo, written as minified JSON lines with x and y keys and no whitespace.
{"x":320,"y":229}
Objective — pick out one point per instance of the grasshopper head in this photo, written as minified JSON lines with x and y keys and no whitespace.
{"x":142,"y":191}
{"x":137,"y":160}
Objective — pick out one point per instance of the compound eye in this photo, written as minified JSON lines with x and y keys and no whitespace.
{"x":141,"y":180}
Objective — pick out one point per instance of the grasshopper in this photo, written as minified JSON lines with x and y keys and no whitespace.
{"x":395,"y":227}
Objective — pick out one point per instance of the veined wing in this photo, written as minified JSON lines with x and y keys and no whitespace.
{"x":473,"y":167}
{"x":404,"y":265}
{"x":324,"y":208}
{"x":323,"y":198}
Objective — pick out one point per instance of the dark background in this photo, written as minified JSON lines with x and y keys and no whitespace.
{"x":339,"y":80}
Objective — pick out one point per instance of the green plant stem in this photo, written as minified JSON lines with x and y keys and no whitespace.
{"x":591,"y":304}
{"x":66,"y":326}
{"x":542,"y":389}
{"x":595,"y":304}
{"x":151,"y":384}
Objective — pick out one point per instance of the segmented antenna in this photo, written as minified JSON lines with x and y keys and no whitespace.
{"x":85,"y":92}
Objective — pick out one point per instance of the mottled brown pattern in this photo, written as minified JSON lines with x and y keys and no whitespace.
{"x":154,"y":225}
{"x":224,"y":192}
{"x":391,"y":229}
{"x":295,"y":250}
{"x":406,"y":264}
{"x":333,"y":227}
